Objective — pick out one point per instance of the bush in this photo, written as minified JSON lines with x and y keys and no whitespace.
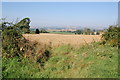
{"x":23,"y":25}
{"x":97,"y":33}
{"x":14,"y":44}
{"x":78,"y":32}
{"x":11,"y":37}
{"x":10,"y":40}
{"x":43,"y":31}
{"x":37,"y":31}
{"x":93,"y":33}
{"x":111,"y":36}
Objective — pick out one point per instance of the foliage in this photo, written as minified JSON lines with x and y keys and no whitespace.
{"x":93,"y":33}
{"x":97,"y":33}
{"x":111,"y":36}
{"x":23,"y":25}
{"x":87,"y":31}
{"x":37,"y":31}
{"x":10,"y":42}
{"x":14,"y":44}
{"x":90,"y":61}
{"x":58,"y":32}
{"x":78,"y":32}
{"x":18,"y":68}
{"x":11,"y":37}
{"x":43,"y":31}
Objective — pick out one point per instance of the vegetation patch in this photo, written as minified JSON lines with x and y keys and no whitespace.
{"x":27,"y":59}
{"x":84,"y":62}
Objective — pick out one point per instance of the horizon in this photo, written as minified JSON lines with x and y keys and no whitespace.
{"x":93,"y":15}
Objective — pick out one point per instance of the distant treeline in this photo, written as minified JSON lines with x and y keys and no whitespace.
{"x":86,"y":31}
{"x":37,"y":31}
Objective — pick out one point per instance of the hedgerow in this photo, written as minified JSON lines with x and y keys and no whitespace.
{"x":112,"y":36}
{"x":14,"y":44}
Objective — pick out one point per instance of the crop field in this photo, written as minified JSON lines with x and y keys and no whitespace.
{"x":60,"y":39}
{"x":88,"y":60}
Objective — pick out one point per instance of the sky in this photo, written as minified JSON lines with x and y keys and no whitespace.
{"x":62,"y":14}
{"x":60,"y":0}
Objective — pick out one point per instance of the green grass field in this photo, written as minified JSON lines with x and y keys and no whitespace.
{"x":52,"y":32}
{"x":90,"y":61}
{"x":58,"y":32}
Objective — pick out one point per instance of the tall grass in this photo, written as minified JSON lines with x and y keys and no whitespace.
{"x":88,"y":61}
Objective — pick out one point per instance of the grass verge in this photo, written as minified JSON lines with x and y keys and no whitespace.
{"x":89,"y":61}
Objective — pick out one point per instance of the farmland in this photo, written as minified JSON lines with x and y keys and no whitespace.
{"x":48,"y":55}
{"x":89,"y":60}
{"x":62,"y":39}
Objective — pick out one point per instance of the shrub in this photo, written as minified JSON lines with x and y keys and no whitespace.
{"x":23,"y":25}
{"x":87,"y":31}
{"x":93,"y":33}
{"x":111,"y":36}
{"x":43,"y":31}
{"x":78,"y":32}
{"x":10,"y":40}
{"x":37,"y":31}
{"x":12,"y":35}
{"x":14,"y":44}
{"x":97,"y":33}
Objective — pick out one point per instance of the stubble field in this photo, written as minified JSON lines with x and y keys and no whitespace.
{"x":62,"y":39}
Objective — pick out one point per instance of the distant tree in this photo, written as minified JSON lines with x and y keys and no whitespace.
{"x":37,"y":31}
{"x":97,"y":33}
{"x":87,"y":31}
{"x":78,"y":32}
{"x":93,"y":33}
{"x":43,"y":31}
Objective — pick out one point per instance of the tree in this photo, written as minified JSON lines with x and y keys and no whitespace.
{"x":97,"y":33}
{"x":37,"y":31}
{"x":78,"y":32}
{"x":43,"y":31}
{"x":87,"y":31}
{"x":93,"y":33}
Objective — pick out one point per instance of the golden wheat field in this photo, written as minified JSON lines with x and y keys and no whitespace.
{"x":60,"y":39}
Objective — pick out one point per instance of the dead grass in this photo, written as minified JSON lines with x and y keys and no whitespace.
{"x":60,"y":39}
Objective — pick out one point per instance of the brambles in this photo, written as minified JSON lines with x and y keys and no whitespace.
{"x":14,"y":44}
{"x":34,"y":59}
{"x":89,"y":61}
{"x":111,"y":36}
{"x":11,"y":36}
{"x":23,"y":25}
{"x":10,"y":40}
